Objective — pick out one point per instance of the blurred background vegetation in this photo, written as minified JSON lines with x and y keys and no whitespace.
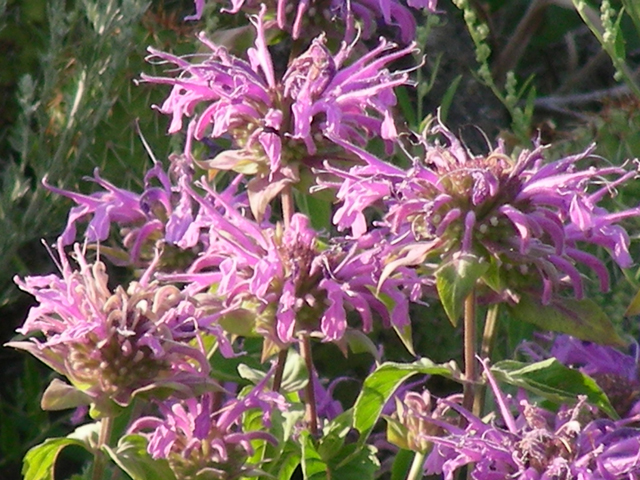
{"x":561,"y":69}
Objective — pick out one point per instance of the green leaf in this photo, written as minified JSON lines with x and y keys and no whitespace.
{"x":316,"y":208}
{"x":287,"y":463}
{"x":334,"y":435}
{"x":583,"y":319}
{"x":554,"y":381}
{"x":226,"y":369}
{"x":455,"y":281}
{"x":282,"y":458}
{"x":447,"y":98}
{"x":401,"y":464}
{"x":404,"y":333}
{"x":380,"y":385}
{"x":634,"y":306}
{"x":60,"y":396}
{"x":132,"y":457}
{"x":313,"y":466}
{"x":39,"y":462}
{"x":355,"y":462}
{"x":618,"y":43}
{"x":361,"y":465}
{"x":294,"y":376}
{"x":359,"y":342}
{"x":494,"y":277}
{"x":407,"y":106}
{"x":397,"y":433}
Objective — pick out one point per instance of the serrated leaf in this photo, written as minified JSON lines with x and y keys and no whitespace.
{"x":554,"y":381}
{"x":131,"y":456}
{"x":39,"y":462}
{"x":583,"y":319}
{"x":383,"y":382}
{"x":455,"y":281}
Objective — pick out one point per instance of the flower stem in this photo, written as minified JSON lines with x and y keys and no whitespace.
{"x":99,"y":462}
{"x":417,"y":467}
{"x":488,"y":336}
{"x":277,"y":376}
{"x":309,"y":392}
{"x":470,"y":373}
{"x":288,"y":207}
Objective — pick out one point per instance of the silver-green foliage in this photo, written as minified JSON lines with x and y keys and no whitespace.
{"x":75,"y":113}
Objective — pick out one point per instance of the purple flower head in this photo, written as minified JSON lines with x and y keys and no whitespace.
{"x":311,"y":17}
{"x":288,"y":281}
{"x":162,"y":216}
{"x":617,"y":373}
{"x":278,"y":125}
{"x":526,"y":217}
{"x":114,"y":344}
{"x":203,"y":438}
{"x":535,"y":444}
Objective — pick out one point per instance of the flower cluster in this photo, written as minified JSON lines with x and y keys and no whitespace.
{"x":203,"y":437}
{"x":535,"y":444}
{"x":526,"y":217}
{"x":280,"y":124}
{"x":160,"y":220}
{"x":112,"y":345}
{"x":229,"y":271}
{"x":286,"y":280}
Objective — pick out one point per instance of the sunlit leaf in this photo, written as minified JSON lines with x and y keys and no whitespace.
{"x":39,"y":462}
{"x":131,"y":456}
{"x":456,"y":280}
{"x":583,"y":319}
{"x":383,"y":382}
{"x":554,"y":381}
{"x":60,"y":396}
